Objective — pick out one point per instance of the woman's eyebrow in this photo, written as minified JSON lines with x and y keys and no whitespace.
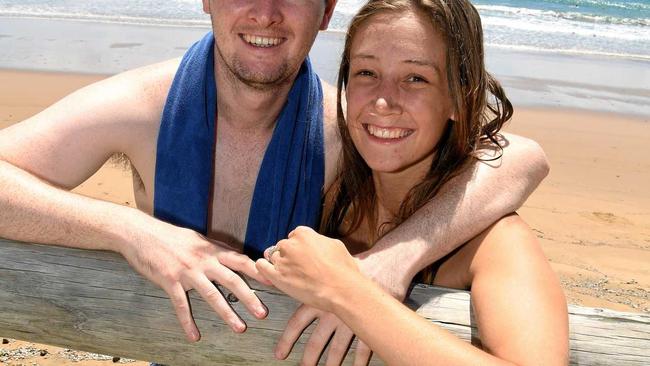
{"x":418,"y":62}
{"x":364,"y":56}
{"x":424,"y":63}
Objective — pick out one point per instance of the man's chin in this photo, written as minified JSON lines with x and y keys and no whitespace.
{"x":263,"y":81}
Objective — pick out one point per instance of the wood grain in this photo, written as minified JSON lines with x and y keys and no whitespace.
{"x":93,"y":301}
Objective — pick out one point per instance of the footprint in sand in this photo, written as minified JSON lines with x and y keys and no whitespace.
{"x":608,"y":217}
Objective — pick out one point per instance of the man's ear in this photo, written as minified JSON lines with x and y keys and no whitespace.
{"x":206,"y":6}
{"x":327,"y":16}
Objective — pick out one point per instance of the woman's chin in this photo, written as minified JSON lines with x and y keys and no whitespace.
{"x":388,"y":167}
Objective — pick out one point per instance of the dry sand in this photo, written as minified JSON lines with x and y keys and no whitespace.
{"x":592,"y":214}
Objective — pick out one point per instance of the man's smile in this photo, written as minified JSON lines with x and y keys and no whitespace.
{"x":261,"y":41}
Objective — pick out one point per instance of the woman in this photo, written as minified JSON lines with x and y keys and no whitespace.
{"x":417,"y":110}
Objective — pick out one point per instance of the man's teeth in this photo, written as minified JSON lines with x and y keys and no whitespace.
{"x":262,"y":41}
{"x":385,"y":133}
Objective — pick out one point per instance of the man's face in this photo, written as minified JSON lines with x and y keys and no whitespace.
{"x":264,"y":42}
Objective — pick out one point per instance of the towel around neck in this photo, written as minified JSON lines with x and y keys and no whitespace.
{"x":290,"y":181}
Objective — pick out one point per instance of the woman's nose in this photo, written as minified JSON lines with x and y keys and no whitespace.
{"x":387,"y":101}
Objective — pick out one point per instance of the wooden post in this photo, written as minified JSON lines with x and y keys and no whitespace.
{"x":93,"y":301}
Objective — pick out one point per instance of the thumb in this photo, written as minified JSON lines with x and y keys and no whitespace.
{"x":266,"y":269}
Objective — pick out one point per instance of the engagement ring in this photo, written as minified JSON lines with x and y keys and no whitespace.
{"x":272,"y":250}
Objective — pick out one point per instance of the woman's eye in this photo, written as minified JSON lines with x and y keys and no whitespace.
{"x":365,"y":73}
{"x":416,"y":79}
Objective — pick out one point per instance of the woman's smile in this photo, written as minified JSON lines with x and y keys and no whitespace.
{"x":398,"y":99}
{"x":387,"y":134}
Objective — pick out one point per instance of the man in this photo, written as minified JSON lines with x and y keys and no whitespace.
{"x":259,"y":49}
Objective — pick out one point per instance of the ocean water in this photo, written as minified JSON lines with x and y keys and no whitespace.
{"x":617,"y":28}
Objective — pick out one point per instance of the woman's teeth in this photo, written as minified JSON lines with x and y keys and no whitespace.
{"x":388,"y":133}
{"x":258,"y":41}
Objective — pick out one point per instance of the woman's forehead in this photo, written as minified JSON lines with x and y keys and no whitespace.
{"x":398,"y":34}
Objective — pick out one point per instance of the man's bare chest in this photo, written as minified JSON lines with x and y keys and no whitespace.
{"x":236,"y":168}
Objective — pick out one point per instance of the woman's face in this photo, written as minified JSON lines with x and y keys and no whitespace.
{"x":398,"y":101}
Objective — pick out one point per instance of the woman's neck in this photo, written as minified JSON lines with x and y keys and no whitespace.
{"x":392,"y":188}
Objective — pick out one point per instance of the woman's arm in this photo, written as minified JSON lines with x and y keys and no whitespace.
{"x":510,"y":279}
{"x":320,"y":272}
{"x":398,"y":335}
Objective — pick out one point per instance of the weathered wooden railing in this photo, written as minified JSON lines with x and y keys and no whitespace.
{"x":93,"y":301}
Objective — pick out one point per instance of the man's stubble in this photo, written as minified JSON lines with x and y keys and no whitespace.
{"x":266,"y":82}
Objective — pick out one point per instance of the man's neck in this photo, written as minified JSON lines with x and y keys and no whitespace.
{"x":244,"y":107}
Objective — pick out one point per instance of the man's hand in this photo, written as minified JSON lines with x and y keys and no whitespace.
{"x":178,"y":260}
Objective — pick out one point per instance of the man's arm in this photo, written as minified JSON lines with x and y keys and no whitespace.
{"x":465,"y":206}
{"x":60,"y":147}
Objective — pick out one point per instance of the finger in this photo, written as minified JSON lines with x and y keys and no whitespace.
{"x":241,"y":263}
{"x":211,"y":294}
{"x":300,"y":230}
{"x":300,"y":320}
{"x":362,"y":354}
{"x":233,"y":282}
{"x":181,"y":305}
{"x":267,"y":270}
{"x":339,"y":346}
{"x":318,"y":341}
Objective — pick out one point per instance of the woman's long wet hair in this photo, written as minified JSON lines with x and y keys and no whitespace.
{"x":480,"y":104}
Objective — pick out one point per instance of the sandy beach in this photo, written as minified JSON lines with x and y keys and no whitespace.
{"x":591,"y":116}
{"x":592,"y":214}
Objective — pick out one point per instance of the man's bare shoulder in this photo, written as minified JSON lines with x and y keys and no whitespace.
{"x":68,"y":141}
{"x":148,"y":86}
{"x":332,"y":136}
{"x":329,"y":102}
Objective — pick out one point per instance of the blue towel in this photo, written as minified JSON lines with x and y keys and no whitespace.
{"x":289,"y":185}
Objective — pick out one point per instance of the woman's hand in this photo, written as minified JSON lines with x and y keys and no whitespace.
{"x":320,"y":272}
{"x":311,"y":268}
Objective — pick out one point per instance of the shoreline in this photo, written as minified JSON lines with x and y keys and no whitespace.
{"x":531,"y":79}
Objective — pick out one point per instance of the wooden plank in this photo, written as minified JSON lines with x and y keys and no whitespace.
{"x":93,"y":301}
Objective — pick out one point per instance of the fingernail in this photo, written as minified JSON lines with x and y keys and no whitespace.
{"x":194,"y":336}
{"x":239,"y":327}
{"x":260,"y":311}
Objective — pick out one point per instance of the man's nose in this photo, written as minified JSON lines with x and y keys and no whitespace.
{"x":266,"y":13}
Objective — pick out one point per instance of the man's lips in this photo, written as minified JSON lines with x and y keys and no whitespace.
{"x":261,"y":41}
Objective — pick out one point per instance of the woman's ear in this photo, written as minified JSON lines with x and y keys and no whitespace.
{"x":452,"y":117}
